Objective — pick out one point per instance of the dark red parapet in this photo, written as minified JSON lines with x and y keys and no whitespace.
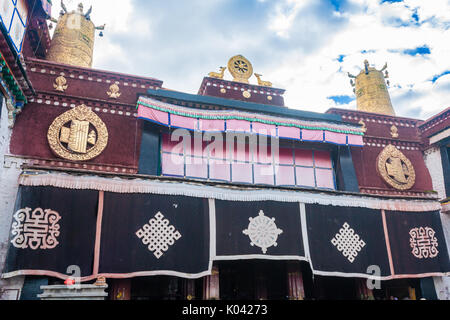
{"x":241,"y":91}
{"x":82,"y":86}
{"x":382,"y":131}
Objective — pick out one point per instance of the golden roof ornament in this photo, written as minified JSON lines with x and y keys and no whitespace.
{"x":240,"y":68}
{"x":371,"y":90}
{"x":114,"y":91}
{"x":261,"y":82}
{"x":364,"y":127}
{"x":74,"y":37}
{"x":394,"y":132}
{"x":60,"y":84}
{"x":217,"y":75}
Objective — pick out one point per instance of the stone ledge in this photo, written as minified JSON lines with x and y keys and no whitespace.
{"x":80,"y":292}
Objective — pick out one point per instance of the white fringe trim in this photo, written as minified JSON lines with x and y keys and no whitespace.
{"x":118,"y":185}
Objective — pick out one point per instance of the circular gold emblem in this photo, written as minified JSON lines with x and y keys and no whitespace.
{"x":240,"y":68}
{"x":247,"y":94}
{"x":78,"y":135}
{"x":396,"y":169}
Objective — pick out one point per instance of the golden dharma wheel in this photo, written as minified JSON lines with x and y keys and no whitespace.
{"x":240,"y":68}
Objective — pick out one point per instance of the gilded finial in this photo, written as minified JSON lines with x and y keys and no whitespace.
{"x":240,"y":68}
{"x":366,"y":66}
{"x":74,"y":37}
{"x":394,"y":132}
{"x":64,"y":8}
{"x":371,"y":89}
{"x":60,"y":84}
{"x":261,"y":82}
{"x":364,"y":128}
{"x":218,"y":75}
{"x":87,"y":15}
{"x":114,"y":91}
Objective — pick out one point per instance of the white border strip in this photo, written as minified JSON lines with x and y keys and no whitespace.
{"x":305,"y":233}
{"x":259,"y":257}
{"x":212,"y":231}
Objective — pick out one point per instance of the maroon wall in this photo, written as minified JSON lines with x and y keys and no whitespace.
{"x":365,"y":161}
{"x":212,"y":87}
{"x":377,"y":137}
{"x":29,"y":136}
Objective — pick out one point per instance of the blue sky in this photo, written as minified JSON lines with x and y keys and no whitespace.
{"x":304,"y":46}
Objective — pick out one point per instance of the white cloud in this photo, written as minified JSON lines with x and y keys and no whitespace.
{"x":294,"y":43}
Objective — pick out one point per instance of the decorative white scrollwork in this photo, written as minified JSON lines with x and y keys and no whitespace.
{"x":38,"y":229}
{"x":424,"y":243}
{"x":348,"y":242}
{"x":158,"y":235}
{"x":263,"y":232}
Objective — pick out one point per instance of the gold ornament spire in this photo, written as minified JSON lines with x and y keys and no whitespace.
{"x":371,"y":90}
{"x":73,"y":40}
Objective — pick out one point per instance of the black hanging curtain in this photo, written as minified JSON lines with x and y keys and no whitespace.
{"x":417,"y":243}
{"x":261,"y":229}
{"x":346,"y":241}
{"x":145,"y":234}
{"x":123,"y":235}
{"x":52,"y":229}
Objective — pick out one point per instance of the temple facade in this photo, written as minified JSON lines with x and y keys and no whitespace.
{"x":127,"y":190}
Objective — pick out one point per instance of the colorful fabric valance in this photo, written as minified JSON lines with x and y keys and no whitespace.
{"x":251,"y":123}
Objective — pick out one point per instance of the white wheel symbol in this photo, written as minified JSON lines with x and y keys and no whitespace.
{"x":263,"y":232}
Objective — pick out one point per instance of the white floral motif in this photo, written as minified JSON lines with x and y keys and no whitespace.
{"x":158,"y":235}
{"x":424,"y":243}
{"x":35,"y":230}
{"x":348,"y":242}
{"x":263,"y":232}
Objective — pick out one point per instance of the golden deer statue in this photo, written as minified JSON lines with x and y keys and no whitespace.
{"x":218,"y":75}
{"x":261,"y":82}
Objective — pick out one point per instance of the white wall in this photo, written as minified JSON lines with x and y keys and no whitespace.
{"x":9,"y":174}
{"x":433,"y":161}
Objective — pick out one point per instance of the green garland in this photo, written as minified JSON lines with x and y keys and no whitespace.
{"x":247,"y":119}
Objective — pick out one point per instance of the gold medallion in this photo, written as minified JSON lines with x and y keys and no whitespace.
{"x":78,"y":135}
{"x":396,"y":169}
{"x":60,"y":84}
{"x":114,"y":91}
{"x":240,"y":68}
{"x":394,"y":132}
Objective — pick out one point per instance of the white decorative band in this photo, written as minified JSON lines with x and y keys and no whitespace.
{"x":230,"y":193}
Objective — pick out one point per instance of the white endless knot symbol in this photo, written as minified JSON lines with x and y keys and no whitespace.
{"x":35,"y":230}
{"x":348,"y":243}
{"x":158,"y":235}
{"x":424,"y":243}
{"x":263,"y":232}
